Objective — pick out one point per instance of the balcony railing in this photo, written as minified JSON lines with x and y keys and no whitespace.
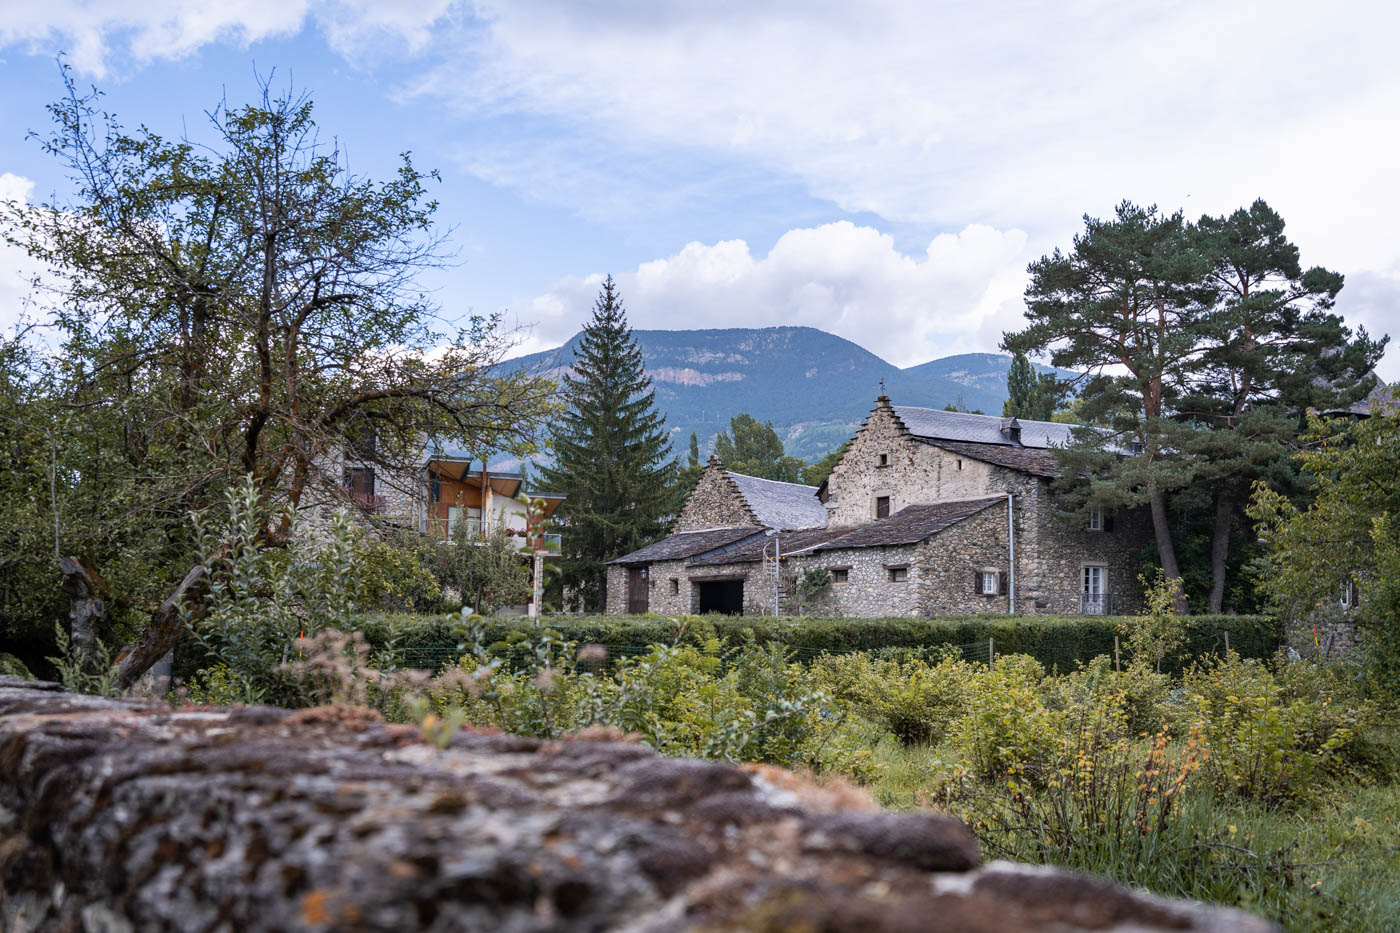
{"x":480,"y":529}
{"x":1095,"y":604}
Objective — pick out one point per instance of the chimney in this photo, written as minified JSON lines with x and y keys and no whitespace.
{"x":1012,"y":429}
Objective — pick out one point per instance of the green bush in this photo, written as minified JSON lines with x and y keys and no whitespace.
{"x":1272,"y":735}
{"x":910,"y":698}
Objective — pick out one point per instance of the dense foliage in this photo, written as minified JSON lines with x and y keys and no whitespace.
{"x":1200,"y":343}
{"x":1339,"y":557}
{"x":243,"y":308}
{"x":611,"y":453}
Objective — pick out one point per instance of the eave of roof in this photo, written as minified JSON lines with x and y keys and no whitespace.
{"x":911,"y":524}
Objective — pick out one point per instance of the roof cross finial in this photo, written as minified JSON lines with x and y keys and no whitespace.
{"x":882,"y":385}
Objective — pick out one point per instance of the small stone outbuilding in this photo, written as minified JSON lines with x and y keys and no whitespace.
{"x":927,"y":513}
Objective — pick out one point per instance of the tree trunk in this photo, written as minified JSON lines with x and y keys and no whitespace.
{"x":1165,"y":550}
{"x":1220,"y":550}
{"x":87,"y":609}
{"x":160,"y":636}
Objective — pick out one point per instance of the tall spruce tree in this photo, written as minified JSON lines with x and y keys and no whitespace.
{"x":611,"y":455}
{"x":1125,"y":307}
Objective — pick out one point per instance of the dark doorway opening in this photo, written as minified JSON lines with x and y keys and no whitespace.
{"x":637,"y":591}
{"x":726,"y":596}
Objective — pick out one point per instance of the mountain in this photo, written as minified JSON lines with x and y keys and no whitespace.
{"x":815,"y":387}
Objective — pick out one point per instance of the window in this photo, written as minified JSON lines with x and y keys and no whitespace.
{"x":1096,"y":519}
{"x":883,"y":460}
{"x":839,"y":575}
{"x":989,"y":582}
{"x":1094,"y":581}
{"x":1348,"y":597}
{"x":675,"y":586}
{"x":899,"y":574}
{"x":882,"y":506}
{"x":959,"y":464}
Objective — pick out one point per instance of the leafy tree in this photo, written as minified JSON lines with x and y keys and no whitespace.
{"x":242,"y":308}
{"x":1346,"y":539}
{"x":1273,"y":348}
{"x":688,"y":476}
{"x":489,"y":572}
{"x":610,"y":453}
{"x":1124,"y":307}
{"x":754,"y":448}
{"x":1031,"y":395}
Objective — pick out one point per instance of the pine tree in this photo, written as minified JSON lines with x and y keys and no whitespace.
{"x":1272,"y":349}
{"x":611,"y":455}
{"x":1126,"y":307}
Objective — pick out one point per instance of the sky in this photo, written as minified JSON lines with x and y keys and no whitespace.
{"x":884,"y":170}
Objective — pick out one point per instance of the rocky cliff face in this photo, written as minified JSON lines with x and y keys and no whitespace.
{"x":118,"y":816}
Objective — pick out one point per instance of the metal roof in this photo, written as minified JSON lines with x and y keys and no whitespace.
{"x":779,"y":505}
{"x":980,"y":429}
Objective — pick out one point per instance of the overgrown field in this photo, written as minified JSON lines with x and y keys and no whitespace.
{"x":1265,"y":783}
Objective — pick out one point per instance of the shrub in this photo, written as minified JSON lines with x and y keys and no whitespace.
{"x":1007,"y":728}
{"x":1270,"y":737}
{"x":1160,"y":631}
{"x":1138,"y":692}
{"x":910,"y":698}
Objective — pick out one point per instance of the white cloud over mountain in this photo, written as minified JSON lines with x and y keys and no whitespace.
{"x":850,"y":280}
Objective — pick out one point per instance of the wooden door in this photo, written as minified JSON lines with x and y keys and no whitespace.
{"x":637,"y":590}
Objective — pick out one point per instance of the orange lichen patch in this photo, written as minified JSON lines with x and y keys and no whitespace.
{"x":315,"y":908}
{"x":827,"y":796}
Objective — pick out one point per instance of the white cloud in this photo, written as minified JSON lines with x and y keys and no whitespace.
{"x":16,"y":268}
{"x":847,"y":279}
{"x":93,"y":31}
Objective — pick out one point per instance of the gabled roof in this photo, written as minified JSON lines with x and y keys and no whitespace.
{"x":911,"y":524}
{"x":1035,"y":461}
{"x":687,"y":544}
{"x":780,"y":505}
{"x":980,"y":429}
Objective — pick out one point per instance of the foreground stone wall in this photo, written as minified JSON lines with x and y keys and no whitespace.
{"x":122,"y":816}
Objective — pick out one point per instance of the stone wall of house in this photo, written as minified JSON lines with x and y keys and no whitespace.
{"x":715,"y":503}
{"x":949,"y":562}
{"x":868,"y":591}
{"x":616,"y":602}
{"x":1057,"y":552}
{"x":1325,"y":634}
{"x":914,"y":474}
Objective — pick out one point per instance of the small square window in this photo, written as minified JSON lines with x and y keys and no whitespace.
{"x":883,"y":460}
{"x":840,"y":576}
{"x":1096,"y":519}
{"x":882,"y":506}
{"x":899,"y":574}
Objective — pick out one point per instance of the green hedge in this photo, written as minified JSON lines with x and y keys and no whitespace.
{"x":1055,"y":641}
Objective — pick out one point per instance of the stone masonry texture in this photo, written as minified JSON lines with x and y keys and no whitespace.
{"x":122,"y":816}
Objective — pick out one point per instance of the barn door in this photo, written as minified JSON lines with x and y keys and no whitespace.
{"x":637,"y":590}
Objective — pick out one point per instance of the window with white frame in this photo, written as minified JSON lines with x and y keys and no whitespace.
{"x":1348,"y":596}
{"x":1096,"y":519}
{"x":1094,"y":579}
{"x":990,"y":585}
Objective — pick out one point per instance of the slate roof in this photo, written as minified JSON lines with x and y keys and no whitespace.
{"x":1383,"y":399}
{"x":781,"y":505}
{"x":687,"y":544}
{"x":979,"y":429}
{"x":1035,"y":461}
{"x":788,"y":541}
{"x":911,"y":524}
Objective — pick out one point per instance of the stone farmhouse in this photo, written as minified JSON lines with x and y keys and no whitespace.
{"x":927,"y":513}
